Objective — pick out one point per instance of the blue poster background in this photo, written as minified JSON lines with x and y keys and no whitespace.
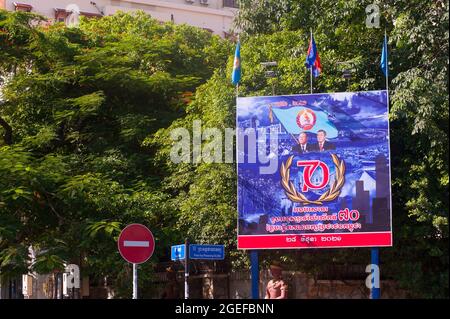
{"x":359,"y":121}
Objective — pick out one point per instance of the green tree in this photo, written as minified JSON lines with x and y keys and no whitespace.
{"x":279,"y":31}
{"x":76,"y":105}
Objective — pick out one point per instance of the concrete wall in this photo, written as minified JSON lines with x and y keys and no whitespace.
{"x":237,"y":285}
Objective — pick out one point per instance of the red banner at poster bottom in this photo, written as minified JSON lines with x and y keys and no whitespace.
{"x":336,"y":240}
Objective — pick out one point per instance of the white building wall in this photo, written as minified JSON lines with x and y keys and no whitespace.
{"x":213,"y":16}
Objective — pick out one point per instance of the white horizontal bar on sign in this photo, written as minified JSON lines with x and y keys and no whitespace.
{"x":132,"y":243}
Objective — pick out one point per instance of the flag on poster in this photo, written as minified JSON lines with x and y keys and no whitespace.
{"x":301,"y":119}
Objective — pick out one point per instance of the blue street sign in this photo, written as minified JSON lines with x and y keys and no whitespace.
{"x":178,"y":252}
{"x":212,"y":252}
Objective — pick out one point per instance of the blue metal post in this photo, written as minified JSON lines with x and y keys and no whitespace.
{"x":186,"y":269}
{"x":376,"y":292}
{"x":255,"y":273}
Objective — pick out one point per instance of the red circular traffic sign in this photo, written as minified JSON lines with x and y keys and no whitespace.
{"x":136,"y":243}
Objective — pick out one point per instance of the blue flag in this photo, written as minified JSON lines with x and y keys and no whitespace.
{"x":384,"y":58}
{"x":301,"y":119}
{"x":236,"y":75}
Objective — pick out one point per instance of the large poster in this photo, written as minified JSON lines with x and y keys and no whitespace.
{"x":314,"y":171}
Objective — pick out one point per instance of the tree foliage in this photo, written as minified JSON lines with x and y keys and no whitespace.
{"x":79,"y":102}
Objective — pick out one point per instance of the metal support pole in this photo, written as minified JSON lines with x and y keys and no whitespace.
{"x":186,"y":270}
{"x":387,"y":69}
{"x":255,"y":273}
{"x":311,"y":72}
{"x":135,"y":282}
{"x":376,"y":292}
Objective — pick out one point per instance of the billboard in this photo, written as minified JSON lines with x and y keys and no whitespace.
{"x":314,"y":171}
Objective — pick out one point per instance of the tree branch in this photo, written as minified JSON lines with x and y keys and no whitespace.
{"x":7,"y":137}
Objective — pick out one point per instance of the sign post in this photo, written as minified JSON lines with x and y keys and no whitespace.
{"x":193,"y":251}
{"x":136,"y":245}
{"x":255,"y":273}
{"x":375,"y":261}
{"x":135,"y":282}
{"x":186,"y":270}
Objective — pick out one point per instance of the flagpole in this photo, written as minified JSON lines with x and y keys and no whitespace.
{"x":387,"y":69}
{"x":237,"y":84}
{"x":374,"y":254}
{"x":311,"y":71}
{"x":254,"y":260}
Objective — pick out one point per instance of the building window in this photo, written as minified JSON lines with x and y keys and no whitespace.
{"x":61,"y":15}
{"x":231,"y":3}
{"x":22,"y":7}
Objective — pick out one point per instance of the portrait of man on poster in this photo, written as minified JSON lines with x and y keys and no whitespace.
{"x":303,"y":146}
{"x":322,"y":144}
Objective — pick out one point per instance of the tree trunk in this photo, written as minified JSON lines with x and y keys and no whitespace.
{"x":7,"y":137}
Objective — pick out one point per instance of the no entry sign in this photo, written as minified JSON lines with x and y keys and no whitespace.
{"x":136,"y":243}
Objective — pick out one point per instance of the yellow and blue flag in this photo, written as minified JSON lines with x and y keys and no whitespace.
{"x":236,"y":75}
